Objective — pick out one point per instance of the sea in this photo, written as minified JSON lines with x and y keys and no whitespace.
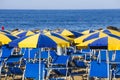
{"x":77,"y":20}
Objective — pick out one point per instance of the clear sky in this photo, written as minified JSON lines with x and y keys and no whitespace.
{"x":59,"y":4}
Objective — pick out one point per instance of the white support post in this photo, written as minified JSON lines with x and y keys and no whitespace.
{"x":107,"y":57}
{"x":39,"y":62}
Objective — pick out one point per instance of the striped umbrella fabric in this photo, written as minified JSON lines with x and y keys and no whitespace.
{"x":59,"y":36}
{"x":38,"y":41}
{"x":25,"y":33}
{"x":109,"y":43}
{"x":87,"y":31}
{"x":71,"y":34}
{"x":6,"y":38}
{"x":109,"y":31}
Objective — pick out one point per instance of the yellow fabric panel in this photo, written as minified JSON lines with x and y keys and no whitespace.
{"x":2,"y":32}
{"x":30,"y":33}
{"x":59,"y":42}
{"x":81,"y":38}
{"x":86,"y":43}
{"x":18,"y":33}
{"x":85,"y":32}
{"x":115,"y":32}
{"x":67,"y":33}
{"x":29,"y":42}
{"x":102,"y":35}
{"x":113,"y":43}
{"x":67,"y":38}
{"x":14,"y":32}
{"x":4,"y":39}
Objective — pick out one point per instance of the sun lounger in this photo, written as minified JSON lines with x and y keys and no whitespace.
{"x":99,"y":70}
{"x":32,"y":71}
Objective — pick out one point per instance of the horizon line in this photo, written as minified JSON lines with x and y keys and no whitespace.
{"x":64,"y":9}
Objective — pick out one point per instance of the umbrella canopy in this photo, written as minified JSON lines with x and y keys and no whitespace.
{"x":87,"y":31}
{"x":109,"y":43}
{"x":59,"y":36}
{"x":88,"y":37}
{"x":17,"y":32}
{"x":38,"y":41}
{"x":108,"y":31}
{"x":6,"y":38}
{"x":85,"y":44}
{"x":4,"y":32}
{"x":72,"y":34}
{"x":26,"y":33}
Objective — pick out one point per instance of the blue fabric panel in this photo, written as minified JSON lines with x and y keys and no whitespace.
{"x":32,"y":70}
{"x":14,"y":59}
{"x":96,"y":35}
{"x":11,"y":37}
{"x":15,"y":42}
{"x":98,"y":69}
{"x":106,"y":31}
{"x":15,"y":70}
{"x":6,"y":52}
{"x":100,"y":42}
{"x":61,"y":60}
{"x":57,"y":35}
{"x":22,"y":34}
{"x":76,"y":34}
{"x":44,"y":41}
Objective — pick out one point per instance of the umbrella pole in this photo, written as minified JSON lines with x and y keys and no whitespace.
{"x":107,"y":55}
{"x":29,"y":55}
{"x":48,"y":57}
{"x":39,"y":63}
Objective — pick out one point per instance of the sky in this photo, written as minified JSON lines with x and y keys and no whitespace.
{"x":59,"y":4}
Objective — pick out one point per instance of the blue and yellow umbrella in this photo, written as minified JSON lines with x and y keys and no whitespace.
{"x":109,"y":31}
{"x":38,"y":41}
{"x":25,"y":33}
{"x":71,"y":34}
{"x":87,"y":32}
{"x":109,"y":43}
{"x":4,"y":32}
{"x":6,"y":38}
{"x":59,"y":36}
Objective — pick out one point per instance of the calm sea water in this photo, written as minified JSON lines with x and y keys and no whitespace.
{"x":51,"y":19}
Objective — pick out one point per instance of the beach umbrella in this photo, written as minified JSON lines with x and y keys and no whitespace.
{"x":6,"y":38}
{"x":72,"y":34}
{"x":89,"y":36}
{"x":87,"y":31}
{"x":108,"y":31}
{"x":25,"y":33}
{"x":59,"y":36}
{"x":4,"y":32}
{"x":85,"y":44}
{"x":41,"y":41}
{"x":17,"y":32}
{"x":109,"y":43}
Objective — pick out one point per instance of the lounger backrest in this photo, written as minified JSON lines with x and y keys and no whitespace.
{"x":53,"y":55}
{"x":6,"y":52}
{"x":32,"y":70}
{"x":98,"y":69}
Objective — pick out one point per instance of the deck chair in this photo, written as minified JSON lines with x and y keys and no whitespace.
{"x":5,"y":53}
{"x":32,"y":71}
{"x":116,"y":57}
{"x":98,"y":70}
{"x":59,"y":64}
{"x":102,"y":56}
{"x":30,"y":55}
{"x":14,"y":60}
{"x":14,"y":71}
